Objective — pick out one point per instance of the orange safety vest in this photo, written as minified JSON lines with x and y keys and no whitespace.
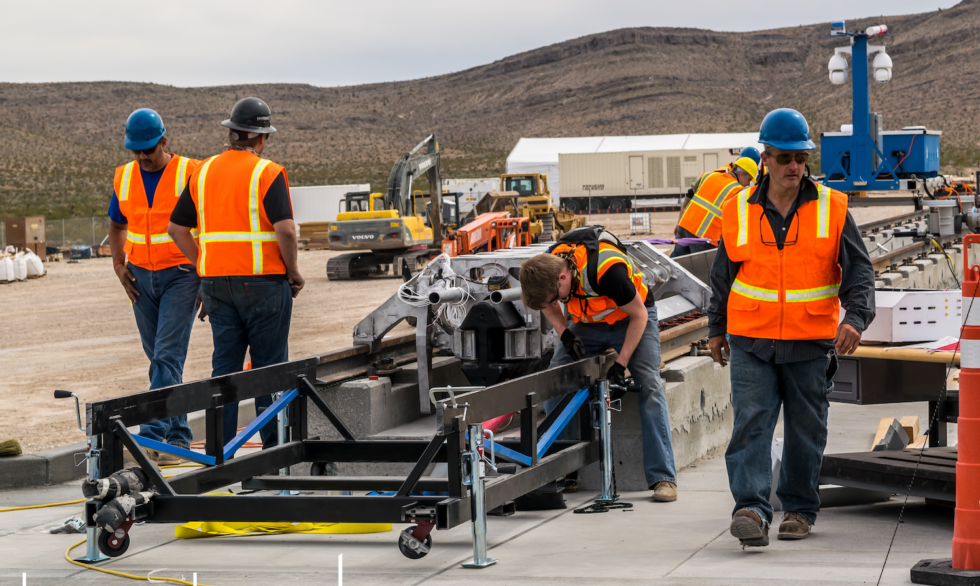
{"x":703,"y":216}
{"x":148,"y":245}
{"x":237,"y":238}
{"x":788,"y":294}
{"x":587,"y":306}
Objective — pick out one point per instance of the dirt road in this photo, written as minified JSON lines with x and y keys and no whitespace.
{"x":74,"y":329}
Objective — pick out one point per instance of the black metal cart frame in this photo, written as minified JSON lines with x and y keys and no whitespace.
{"x":180,"y":498}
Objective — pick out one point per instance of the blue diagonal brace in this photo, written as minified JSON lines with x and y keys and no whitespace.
{"x":176,"y":451}
{"x":259,"y":422}
{"x":558,"y":426}
{"x":512,"y":455}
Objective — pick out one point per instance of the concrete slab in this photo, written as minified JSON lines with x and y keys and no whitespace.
{"x":681,"y":543}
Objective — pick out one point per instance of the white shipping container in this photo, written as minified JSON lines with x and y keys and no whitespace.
{"x":471,"y":189}
{"x":320,"y":203}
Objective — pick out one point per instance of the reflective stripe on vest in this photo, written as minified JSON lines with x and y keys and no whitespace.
{"x":757,"y":293}
{"x":823,"y":211}
{"x":815,"y":294}
{"x":255,"y":236}
{"x":154,"y":238}
{"x":181,"y":180}
{"x":123,"y":194}
{"x":743,"y":217}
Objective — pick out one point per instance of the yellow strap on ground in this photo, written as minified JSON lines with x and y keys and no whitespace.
{"x":42,"y":506}
{"x":197,"y":530}
{"x":123,"y":574}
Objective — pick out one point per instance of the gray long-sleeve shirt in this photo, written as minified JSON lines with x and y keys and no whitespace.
{"x":857,"y":288}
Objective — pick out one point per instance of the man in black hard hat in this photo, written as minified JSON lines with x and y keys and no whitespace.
{"x":247,"y":261}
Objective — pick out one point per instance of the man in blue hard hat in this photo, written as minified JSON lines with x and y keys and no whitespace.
{"x":161,"y":283}
{"x":790,"y":257}
{"x":701,"y":212}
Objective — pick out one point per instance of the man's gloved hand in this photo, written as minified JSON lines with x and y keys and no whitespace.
{"x":617,"y":376}
{"x":572,"y":345}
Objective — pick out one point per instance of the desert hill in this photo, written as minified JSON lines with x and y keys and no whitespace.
{"x":60,"y":141}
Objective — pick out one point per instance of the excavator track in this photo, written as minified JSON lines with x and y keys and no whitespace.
{"x":358,"y":265}
{"x":547,"y":228}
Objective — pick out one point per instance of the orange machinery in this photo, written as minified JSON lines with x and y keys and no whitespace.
{"x":489,"y":231}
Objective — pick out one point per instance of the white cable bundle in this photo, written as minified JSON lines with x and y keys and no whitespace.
{"x":415,"y":291}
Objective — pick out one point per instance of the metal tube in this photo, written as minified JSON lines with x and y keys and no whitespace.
{"x":605,"y":436}
{"x":283,"y":421}
{"x":478,"y":500}
{"x":450,"y":295}
{"x":92,"y":553}
{"x":499,"y":296}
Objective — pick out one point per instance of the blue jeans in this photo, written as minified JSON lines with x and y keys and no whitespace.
{"x":644,"y":367}
{"x":164,"y":314}
{"x":248,"y":313}
{"x":758,"y":388}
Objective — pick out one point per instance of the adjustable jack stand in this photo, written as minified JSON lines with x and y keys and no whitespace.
{"x":602,"y":420}
{"x":473,"y":476}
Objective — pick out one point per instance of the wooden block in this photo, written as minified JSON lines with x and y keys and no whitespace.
{"x":920,"y":442}
{"x":910,"y":423}
{"x":883,"y":426}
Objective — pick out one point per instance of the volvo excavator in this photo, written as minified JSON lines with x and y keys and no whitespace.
{"x":393,"y":230}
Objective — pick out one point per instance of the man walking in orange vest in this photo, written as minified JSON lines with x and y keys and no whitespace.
{"x":161,"y":283}
{"x":247,"y":258}
{"x":701,"y":218}
{"x":790,"y":257}
{"x":611,"y":307}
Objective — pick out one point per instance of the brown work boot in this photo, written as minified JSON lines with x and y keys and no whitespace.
{"x":151,"y":454}
{"x":165,"y":459}
{"x":747,"y":525}
{"x":665,"y":491}
{"x":794,"y":526}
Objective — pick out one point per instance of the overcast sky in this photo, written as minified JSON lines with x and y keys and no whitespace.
{"x":329,"y":43}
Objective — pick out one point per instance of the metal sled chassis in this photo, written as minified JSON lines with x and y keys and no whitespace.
{"x":181,"y":499}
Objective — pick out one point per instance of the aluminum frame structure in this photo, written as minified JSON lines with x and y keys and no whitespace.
{"x":540,"y":458}
{"x":494,"y":277}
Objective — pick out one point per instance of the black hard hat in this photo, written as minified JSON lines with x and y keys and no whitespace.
{"x":251,"y":115}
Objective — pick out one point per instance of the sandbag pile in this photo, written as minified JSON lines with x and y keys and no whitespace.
{"x":19,"y":266}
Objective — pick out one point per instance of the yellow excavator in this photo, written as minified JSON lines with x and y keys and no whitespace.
{"x":394,"y":229}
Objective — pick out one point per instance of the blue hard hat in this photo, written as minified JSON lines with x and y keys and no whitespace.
{"x":751,"y":153}
{"x":786,"y":129}
{"x":144,"y":129}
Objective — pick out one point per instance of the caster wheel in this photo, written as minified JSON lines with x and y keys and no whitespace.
{"x":412,"y":548}
{"x":111,"y":545}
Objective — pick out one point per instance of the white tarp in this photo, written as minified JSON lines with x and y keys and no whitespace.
{"x":320,"y":203}
{"x":540,"y":155}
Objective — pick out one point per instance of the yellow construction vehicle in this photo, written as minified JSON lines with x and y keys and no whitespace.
{"x":527,"y":196}
{"x":394,"y":229}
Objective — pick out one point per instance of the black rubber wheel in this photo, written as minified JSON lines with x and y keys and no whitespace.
{"x":617,"y":206}
{"x":594,"y":206}
{"x":410,"y":553}
{"x":571,"y":206}
{"x":111,"y":546}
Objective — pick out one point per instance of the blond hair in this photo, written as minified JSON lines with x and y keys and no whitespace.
{"x":539,"y":280}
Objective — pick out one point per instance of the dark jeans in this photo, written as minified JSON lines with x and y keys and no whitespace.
{"x":644,"y":367}
{"x":758,"y":389}
{"x":164,"y":315}
{"x":248,"y":313}
{"x":692,"y":249}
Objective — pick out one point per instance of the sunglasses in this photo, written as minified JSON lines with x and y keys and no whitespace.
{"x":785,"y":158}
{"x":148,"y":151}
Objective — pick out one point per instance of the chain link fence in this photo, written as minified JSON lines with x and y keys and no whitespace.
{"x":71,"y":232}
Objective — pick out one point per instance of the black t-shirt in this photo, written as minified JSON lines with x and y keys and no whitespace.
{"x":276,"y":203}
{"x":616,"y":284}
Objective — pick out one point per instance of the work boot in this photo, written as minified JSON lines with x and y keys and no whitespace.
{"x":152,"y":454}
{"x":794,"y":526}
{"x":165,"y":459}
{"x":665,"y":491}
{"x":747,"y":525}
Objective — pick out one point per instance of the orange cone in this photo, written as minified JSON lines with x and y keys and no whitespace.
{"x":966,"y":527}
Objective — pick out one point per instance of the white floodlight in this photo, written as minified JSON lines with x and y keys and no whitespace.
{"x":838,"y":69}
{"x":882,"y":66}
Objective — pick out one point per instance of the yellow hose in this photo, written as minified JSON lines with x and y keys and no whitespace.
{"x":122,"y":574}
{"x":42,"y":506}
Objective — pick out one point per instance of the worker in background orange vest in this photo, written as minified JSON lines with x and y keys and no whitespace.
{"x":790,"y":257}
{"x":701,"y":213}
{"x":611,"y":307}
{"x":161,"y":283}
{"x":247,"y":258}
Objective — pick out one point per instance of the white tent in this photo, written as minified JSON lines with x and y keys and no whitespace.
{"x":540,"y":155}
{"x":320,"y":203}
